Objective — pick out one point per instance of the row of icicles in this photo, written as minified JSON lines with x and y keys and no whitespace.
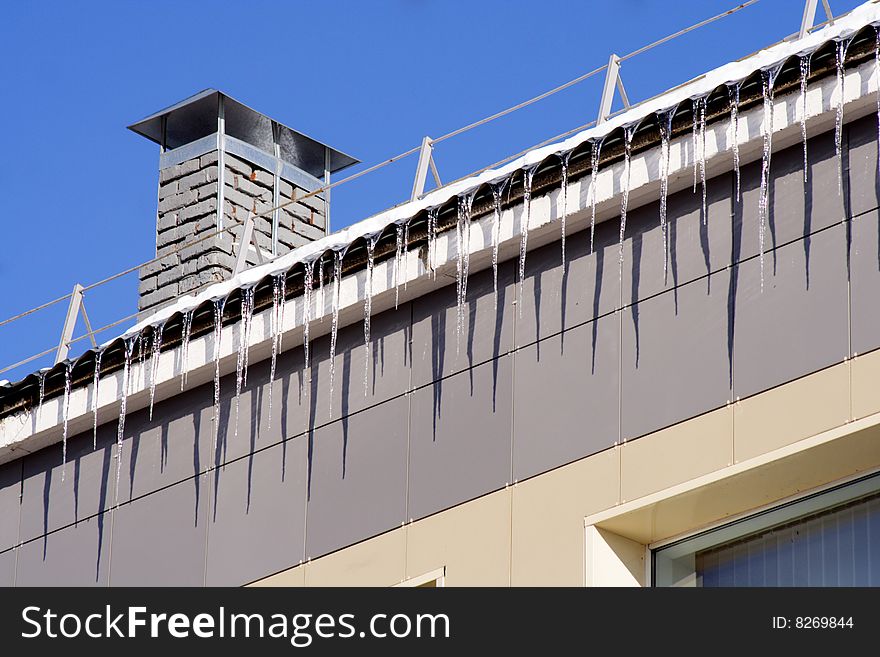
{"x":151,"y":342}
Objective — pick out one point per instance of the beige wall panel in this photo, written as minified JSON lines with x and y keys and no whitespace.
{"x":681,"y":452}
{"x":766,"y":483}
{"x":548,"y":519}
{"x":865,"y":388}
{"x":376,"y":562}
{"x":791,"y":412}
{"x":471,"y":540}
{"x":291,"y":577}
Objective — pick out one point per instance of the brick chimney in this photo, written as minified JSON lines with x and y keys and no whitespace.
{"x":220,"y":154}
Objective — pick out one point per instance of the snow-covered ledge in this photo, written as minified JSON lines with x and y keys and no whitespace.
{"x":29,"y":431}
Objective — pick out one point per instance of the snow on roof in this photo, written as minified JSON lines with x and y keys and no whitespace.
{"x":844,"y":27}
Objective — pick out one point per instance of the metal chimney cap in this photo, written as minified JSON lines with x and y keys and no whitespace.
{"x":196,"y":117}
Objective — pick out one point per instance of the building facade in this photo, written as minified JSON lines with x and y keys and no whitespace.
{"x":703,"y":411}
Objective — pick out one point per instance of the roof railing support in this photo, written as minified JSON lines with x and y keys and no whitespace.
{"x":809,"y":17}
{"x":74,"y":308}
{"x":247,"y":239}
{"x":612,"y":80}
{"x":426,"y":161}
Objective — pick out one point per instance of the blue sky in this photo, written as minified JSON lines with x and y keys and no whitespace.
{"x":369,"y":78}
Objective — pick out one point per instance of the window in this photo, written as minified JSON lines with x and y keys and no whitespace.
{"x":830,"y":538}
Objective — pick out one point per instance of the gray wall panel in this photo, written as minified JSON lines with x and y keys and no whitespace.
{"x":676,"y":361}
{"x":555,"y":297}
{"x":257,"y":515}
{"x":438,"y":351}
{"x":175,"y":446}
{"x":864,"y":180}
{"x":357,"y":480}
{"x":78,"y":555}
{"x":159,"y":540}
{"x":799,"y":323}
{"x":48,"y":503}
{"x":10,"y":503}
{"x":865,"y":282}
{"x":389,"y":367}
{"x":695,"y":247}
{"x":7,"y":568}
{"x":460,"y":438}
{"x":796,"y":210}
{"x":566,"y":397}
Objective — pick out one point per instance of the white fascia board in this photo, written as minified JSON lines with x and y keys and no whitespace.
{"x":28,"y":431}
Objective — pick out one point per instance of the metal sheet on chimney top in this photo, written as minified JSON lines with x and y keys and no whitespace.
{"x":252,"y":127}
{"x":191,"y":122}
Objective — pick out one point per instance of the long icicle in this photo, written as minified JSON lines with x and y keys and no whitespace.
{"x":308,"y":282}
{"x":877,"y":82}
{"x":65,"y":416}
{"x":368,"y":308}
{"x":399,"y":252}
{"x":695,"y":134}
{"x":595,"y":153}
{"x":497,"y":193}
{"x":432,"y":240}
{"x":247,"y":311}
{"x":184,"y":347}
{"x":128,"y":344}
{"x":664,"y":121}
{"x":42,"y":392}
{"x":768,"y":77}
{"x":279,"y":283}
{"x":528,"y":176}
{"x":219,"y":305}
{"x":463,"y":233}
{"x":564,"y":159}
{"x":805,"y":74}
{"x":840,"y":56}
{"x":703,"y":103}
{"x":405,"y":255}
{"x":158,"y":329}
{"x":95,"y":381}
{"x":334,"y":326}
{"x":628,"y":132}
{"x":733,"y":93}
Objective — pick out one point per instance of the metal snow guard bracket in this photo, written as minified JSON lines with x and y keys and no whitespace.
{"x":197,"y":117}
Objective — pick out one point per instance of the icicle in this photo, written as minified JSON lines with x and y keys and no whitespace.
{"x":247,"y":312}
{"x":877,"y":79}
{"x":564,"y":157}
{"x":398,"y":261}
{"x":768,"y":77}
{"x":664,"y":120}
{"x":628,"y":132}
{"x":65,"y":414}
{"x":368,"y":308}
{"x":432,"y":240}
{"x":154,"y":363}
{"x":279,"y":282}
{"x":733,"y":91}
{"x":334,"y":326}
{"x":184,"y":346}
{"x":703,"y":103}
{"x":219,"y":304}
{"x":497,"y":192}
{"x":142,"y":357}
{"x":528,"y":175}
{"x":308,"y":282}
{"x":840,"y":55}
{"x":405,"y":258}
{"x":95,"y":381}
{"x":463,"y":261}
{"x":695,"y":135}
{"x":128,"y":344}
{"x":595,"y":151}
{"x":42,"y":376}
{"x":320,"y":303}
{"x":805,"y":74}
